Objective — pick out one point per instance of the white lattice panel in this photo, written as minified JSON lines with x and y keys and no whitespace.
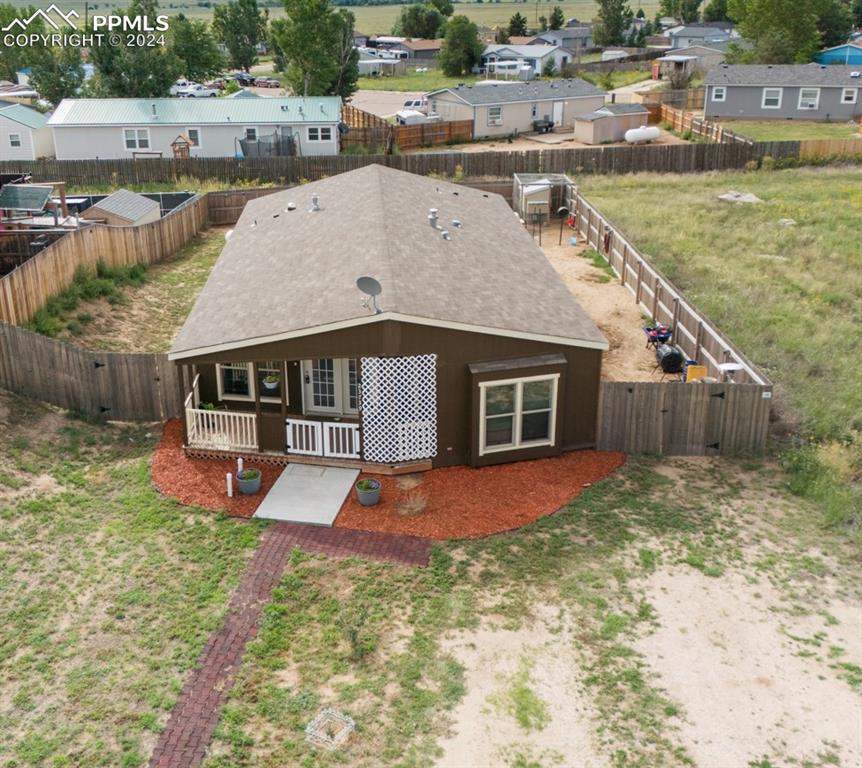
{"x":399,"y":408}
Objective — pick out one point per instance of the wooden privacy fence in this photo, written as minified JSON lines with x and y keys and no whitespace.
{"x":25,"y":290}
{"x":676,"y":158}
{"x":660,"y":299}
{"x":676,"y":419}
{"x":106,"y":385}
{"x":682,"y":121}
{"x":430,"y":134}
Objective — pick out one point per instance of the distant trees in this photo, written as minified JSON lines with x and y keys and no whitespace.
{"x":787,"y":31}
{"x":57,"y":73}
{"x":716,"y":10}
{"x":857,"y":13}
{"x":240,"y":25}
{"x":317,"y":42}
{"x":612,"y":20}
{"x":195,"y":46}
{"x":137,"y":71}
{"x":556,"y":20}
{"x":461,"y":49}
{"x":517,"y":25}
{"x":420,"y":20}
{"x":684,"y":10}
{"x":15,"y":58}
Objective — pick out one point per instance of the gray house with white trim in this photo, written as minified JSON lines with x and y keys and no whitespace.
{"x":783,"y":91}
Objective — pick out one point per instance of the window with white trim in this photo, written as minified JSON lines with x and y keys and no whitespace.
{"x":517,"y":413}
{"x":495,"y":115}
{"x":849,"y":95}
{"x":236,"y":381}
{"x":251,"y":134}
{"x":719,"y":93}
{"x":14,"y":139}
{"x":320,"y":133}
{"x":809,"y":98}
{"x":194,"y":136}
{"x":772,"y":98}
{"x":136,"y":138}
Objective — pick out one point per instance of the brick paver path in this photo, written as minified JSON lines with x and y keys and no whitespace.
{"x":190,"y":727}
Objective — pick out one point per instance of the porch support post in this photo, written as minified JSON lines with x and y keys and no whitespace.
{"x":256,"y":384}
{"x":284,"y":402}
{"x":181,"y":377}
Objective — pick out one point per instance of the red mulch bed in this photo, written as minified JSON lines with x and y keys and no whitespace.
{"x":465,"y":503}
{"x":450,"y":503}
{"x":201,"y":482}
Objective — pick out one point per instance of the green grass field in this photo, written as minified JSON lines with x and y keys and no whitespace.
{"x":789,"y":296}
{"x":378,"y":19}
{"x":413,"y":81}
{"x":789,"y":130}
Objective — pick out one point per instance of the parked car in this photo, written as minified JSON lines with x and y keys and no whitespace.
{"x":414,"y":117}
{"x":196,"y":91}
{"x":418,"y":105}
{"x":179,"y":85}
{"x":243,"y":78}
{"x":217,"y":85}
{"x":267,"y":82}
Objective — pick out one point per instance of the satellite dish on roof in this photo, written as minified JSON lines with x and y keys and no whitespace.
{"x":372,"y":289}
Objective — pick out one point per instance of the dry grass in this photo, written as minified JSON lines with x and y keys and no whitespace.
{"x":414,"y":503}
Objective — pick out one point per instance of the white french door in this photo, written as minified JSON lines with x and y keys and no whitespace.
{"x":330,"y":386}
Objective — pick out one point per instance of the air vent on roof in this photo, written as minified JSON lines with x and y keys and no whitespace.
{"x":315,"y":202}
{"x":284,"y":107}
{"x":854,"y":74}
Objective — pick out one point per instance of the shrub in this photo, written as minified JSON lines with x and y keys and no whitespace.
{"x":74,"y":327}
{"x":767,"y":163}
{"x":84,"y":317}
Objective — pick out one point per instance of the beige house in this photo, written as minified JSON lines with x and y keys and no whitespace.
{"x":504,"y":108}
{"x":609,"y":123}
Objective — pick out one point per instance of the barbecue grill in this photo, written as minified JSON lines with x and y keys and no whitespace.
{"x":670,"y":359}
{"x":657,"y":334}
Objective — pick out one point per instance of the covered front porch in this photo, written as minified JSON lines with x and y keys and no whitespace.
{"x":336,"y":411}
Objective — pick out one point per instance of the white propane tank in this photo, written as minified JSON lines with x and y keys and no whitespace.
{"x":644,"y":133}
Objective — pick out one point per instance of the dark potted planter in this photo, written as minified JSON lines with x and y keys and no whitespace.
{"x":248,"y":481}
{"x":368,"y":492}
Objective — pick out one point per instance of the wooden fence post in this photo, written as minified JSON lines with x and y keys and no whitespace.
{"x":624,"y":269}
{"x":698,"y":342}
{"x":640,"y":280}
{"x":675,"y":314}
{"x":655,"y":290}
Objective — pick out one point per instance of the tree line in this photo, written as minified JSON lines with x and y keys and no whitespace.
{"x":312,"y":44}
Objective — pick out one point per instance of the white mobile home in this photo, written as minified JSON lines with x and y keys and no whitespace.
{"x":86,"y":129}
{"x":24,"y":133}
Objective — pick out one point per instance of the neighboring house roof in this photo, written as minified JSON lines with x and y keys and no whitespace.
{"x":27,"y":116}
{"x":522,"y":40}
{"x":423,"y":45}
{"x":510,"y":92}
{"x":624,"y":109}
{"x":519,"y":51}
{"x":567,"y":33}
{"x":125,"y":204}
{"x":184,"y":112}
{"x":243,"y":93}
{"x":289,"y":273}
{"x":613,"y":110}
{"x":815,"y":75}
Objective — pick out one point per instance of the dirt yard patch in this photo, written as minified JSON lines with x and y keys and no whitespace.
{"x":734,"y":655}
{"x":611,"y":307}
{"x":151,"y":314}
{"x":525,"y":703}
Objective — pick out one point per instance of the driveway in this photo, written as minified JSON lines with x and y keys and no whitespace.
{"x":382,"y":103}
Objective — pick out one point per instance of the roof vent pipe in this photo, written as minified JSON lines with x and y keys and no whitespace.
{"x":315,"y":202}
{"x":432,"y":217}
{"x":155,"y":114}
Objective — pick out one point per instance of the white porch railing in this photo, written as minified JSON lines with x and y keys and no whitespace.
{"x":338,"y":440}
{"x":221,"y":430}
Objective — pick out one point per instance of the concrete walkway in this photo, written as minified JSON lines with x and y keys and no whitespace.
{"x":184,"y":741}
{"x":306,"y":493}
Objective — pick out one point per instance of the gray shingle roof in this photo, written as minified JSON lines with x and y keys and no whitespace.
{"x":126,"y":204}
{"x":287,"y":272}
{"x":835,"y":75}
{"x":539,"y":90}
{"x":625,"y":109}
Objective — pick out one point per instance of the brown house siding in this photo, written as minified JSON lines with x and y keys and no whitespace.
{"x":457,"y":387}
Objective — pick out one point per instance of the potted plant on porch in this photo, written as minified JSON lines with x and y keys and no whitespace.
{"x":271,"y":381}
{"x":248,"y":481}
{"x":368,"y":491}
